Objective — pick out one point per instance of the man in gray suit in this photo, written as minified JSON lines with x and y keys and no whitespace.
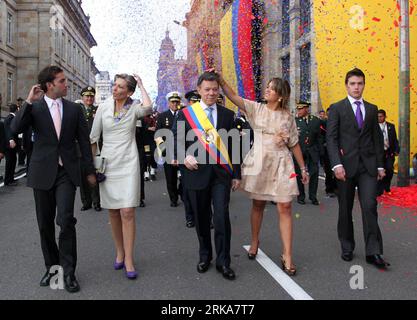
{"x":356,"y":152}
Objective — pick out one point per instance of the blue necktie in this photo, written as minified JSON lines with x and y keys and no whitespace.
{"x":210,"y":115}
{"x":359,"y":115}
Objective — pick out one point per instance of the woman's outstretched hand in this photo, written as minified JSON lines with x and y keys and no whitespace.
{"x":138,"y":80}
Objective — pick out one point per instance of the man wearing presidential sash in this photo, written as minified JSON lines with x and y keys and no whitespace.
{"x":209,"y":179}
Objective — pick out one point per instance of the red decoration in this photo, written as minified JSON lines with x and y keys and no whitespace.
{"x":400,"y":197}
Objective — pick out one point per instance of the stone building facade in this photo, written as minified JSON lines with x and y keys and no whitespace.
{"x":103,"y":86}
{"x":38,"y":33}
{"x":286,"y":42}
{"x":170,"y":73}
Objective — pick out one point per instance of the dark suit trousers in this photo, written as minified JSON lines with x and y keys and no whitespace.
{"x":11,"y":160}
{"x":385,"y":184}
{"x":89,"y":195}
{"x":367,"y":186}
{"x":313,"y":171}
{"x":189,"y":216}
{"x":59,"y":202}
{"x":171,"y":175}
{"x":201,"y":200}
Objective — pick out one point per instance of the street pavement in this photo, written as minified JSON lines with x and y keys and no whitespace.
{"x":167,"y":253}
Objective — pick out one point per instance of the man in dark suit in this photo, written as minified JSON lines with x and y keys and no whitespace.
{"x":356,"y":151}
{"x":330,"y":181}
{"x":2,"y":140}
{"x":165,"y":121}
{"x":54,"y":170}
{"x":12,"y":147}
{"x":391,"y":150}
{"x":311,"y":146}
{"x":207,"y":180}
{"x":90,"y":196}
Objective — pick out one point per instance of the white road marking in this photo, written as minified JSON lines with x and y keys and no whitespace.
{"x":16,"y":178}
{"x":287,"y":283}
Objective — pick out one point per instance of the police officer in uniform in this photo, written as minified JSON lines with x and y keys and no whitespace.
{"x":90,"y":196}
{"x":165,"y":121}
{"x":311,"y":143}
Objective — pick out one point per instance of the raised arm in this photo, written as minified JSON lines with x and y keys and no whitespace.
{"x":231,"y":94}
{"x":145,"y":97}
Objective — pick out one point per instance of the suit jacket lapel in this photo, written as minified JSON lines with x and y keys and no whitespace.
{"x":48,"y":116}
{"x":65,"y":110}
{"x":219,"y":118}
{"x":367,"y":115}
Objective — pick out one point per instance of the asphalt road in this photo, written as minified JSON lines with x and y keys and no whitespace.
{"x":167,"y":254}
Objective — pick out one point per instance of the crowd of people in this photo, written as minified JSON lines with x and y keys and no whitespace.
{"x":110,"y":150}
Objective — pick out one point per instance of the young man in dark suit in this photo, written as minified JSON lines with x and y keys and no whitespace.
{"x":356,"y":151}
{"x":207,"y":181}
{"x":391,"y":150}
{"x":54,"y":170}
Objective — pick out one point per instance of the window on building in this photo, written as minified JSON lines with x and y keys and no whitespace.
{"x":10,"y":87}
{"x":62,"y":45}
{"x":305,"y":21}
{"x":305,"y":76}
{"x":69,"y":57}
{"x":286,"y":68}
{"x":285,"y":23}
{"x":9,"y":28}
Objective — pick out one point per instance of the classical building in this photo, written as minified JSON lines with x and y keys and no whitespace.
{"x":38,"y":33}
{"x":170,"y":72}
{"x":103,"y":86}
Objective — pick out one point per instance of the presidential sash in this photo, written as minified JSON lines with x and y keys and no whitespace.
{"x":208,"y":135}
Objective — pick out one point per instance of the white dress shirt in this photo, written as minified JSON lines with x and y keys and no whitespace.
{"x":214,"y":113}
{"x":384,"y":129}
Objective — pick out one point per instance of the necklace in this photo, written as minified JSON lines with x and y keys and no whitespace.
{"x":118,"y":115}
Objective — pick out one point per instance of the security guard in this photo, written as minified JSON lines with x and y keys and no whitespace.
{"x":90,"y":196}
{"x":311,"y":143}
{"x":165,"y":121}
{"x":192,"y":97}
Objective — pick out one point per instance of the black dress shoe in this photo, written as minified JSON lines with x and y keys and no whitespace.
{"x":227,"y":272}
{"x":85,"y":208}
{"x":190,"y":224}
{"x":71,"y":284}
{"x":301,"y":201}
{"x":142,"y":204}
{"x":46,"y":279}
{"x":174,"y":204}
{"x":203,"y":266}
{"x":377,"y":261}
{"x":315,"y":202}
{"x":97,"y":207}
{"x":347,"y":256}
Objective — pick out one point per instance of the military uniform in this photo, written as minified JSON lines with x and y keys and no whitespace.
{"x":166,"y":121}
{"x":90,"y":196}
{"x":311,"y":143}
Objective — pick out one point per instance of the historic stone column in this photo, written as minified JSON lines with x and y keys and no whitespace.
{"x":271,"y":57}
{"x":294,"y":52}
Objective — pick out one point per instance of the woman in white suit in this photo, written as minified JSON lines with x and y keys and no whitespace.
{"x":116,"y":120}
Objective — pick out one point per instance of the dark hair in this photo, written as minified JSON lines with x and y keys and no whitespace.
{"x":354,"y":73}
{"x":13,"y":107}
{"x":381,"y":111}
{"x":283,"y":89}
{"x":208,"y":76}
{"x":131,"y":81}
{"x":48,"y":74}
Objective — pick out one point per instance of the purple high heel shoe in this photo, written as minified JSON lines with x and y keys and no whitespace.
{"x":131,"y":275}
{"x":119,"y":265}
